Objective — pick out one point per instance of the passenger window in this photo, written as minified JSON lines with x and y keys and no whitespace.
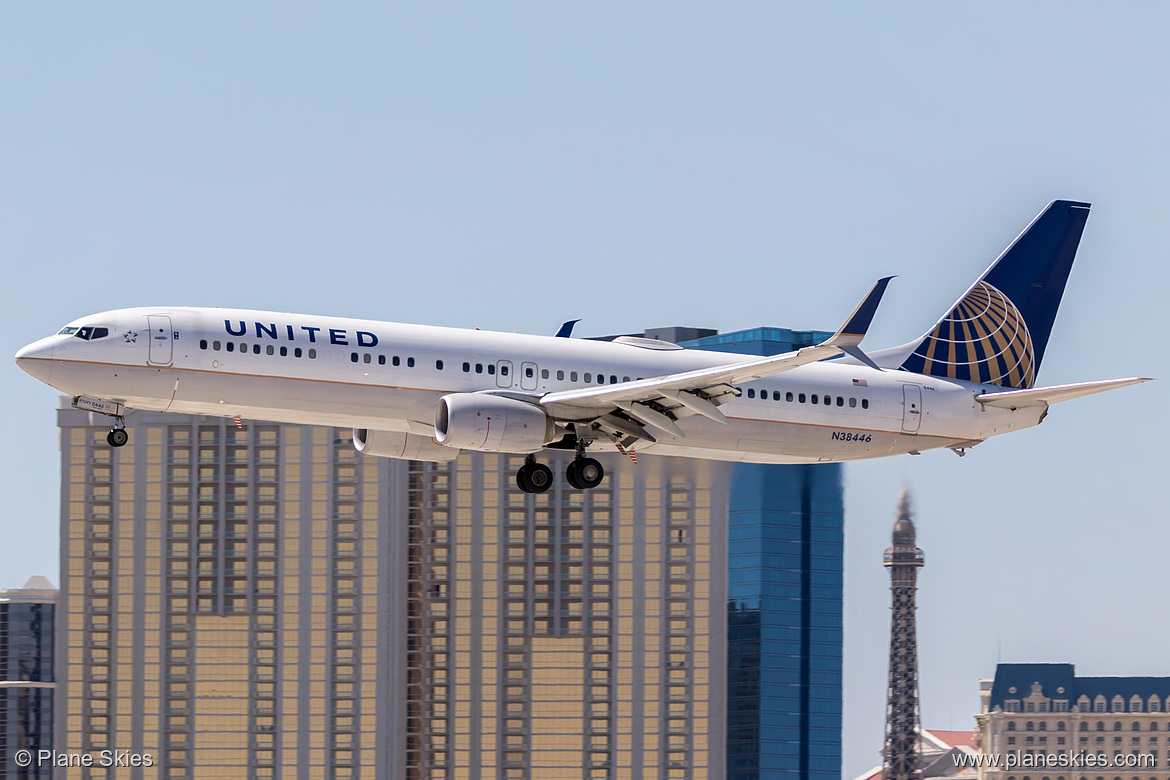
{"x":528,"y":374}
{"x":572,"y":376}
{"x":788,"y":397}
{"x":601,"y":379}
{"x":439,"y":365}
{"x":202,"y":343}
{"x":503,"y":370}
{"x":271,"y":350}
{"x":864,"y":403}
{"x":297,"y":352}
{"x":256,"y":349}
{"x":231,"y":346}
{"x":466,"y":368}
{"x":243,"y":348}
{"x":397,"y":360}
{"x":215,"y":345}
{"x":366,"y":358}
{"x":479,"y":368}
{"x":491,"y":368}
{"x":560,"y":376}
{"x":612,"y":379}
{"x":312,"y":353}
{"x":625,"y":379}
{"x":381,"y":360}
{"x":352,"y":357}
{"x":840,"y":401}
{"x":814,"y":398}
{"x":751,"y":393}
{"x":588,"y":377}
{"x":284,"y":351}
{"x":544,"y":373}
{"x":410,"y":362}
{"x":852,"y":402}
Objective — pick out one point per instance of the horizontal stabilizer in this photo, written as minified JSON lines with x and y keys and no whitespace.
{"x":1045,"y":396}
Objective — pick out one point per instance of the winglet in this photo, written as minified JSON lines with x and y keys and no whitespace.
{"x":853,"y":331}
{"x":566,"y":330}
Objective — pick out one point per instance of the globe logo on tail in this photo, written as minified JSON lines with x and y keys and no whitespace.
{"x":983,"y":339}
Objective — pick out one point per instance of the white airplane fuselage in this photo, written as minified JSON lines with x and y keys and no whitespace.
{"x":389,"y":377}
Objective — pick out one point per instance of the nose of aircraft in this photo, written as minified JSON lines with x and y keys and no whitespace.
{"x":37,"y":358}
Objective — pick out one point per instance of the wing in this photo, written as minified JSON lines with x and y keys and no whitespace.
{"x":659,"y":401}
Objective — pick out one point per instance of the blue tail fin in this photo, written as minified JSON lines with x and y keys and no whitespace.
{"x":997,"y":332}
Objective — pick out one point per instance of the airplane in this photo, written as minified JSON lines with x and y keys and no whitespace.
{"x":429,"y":393}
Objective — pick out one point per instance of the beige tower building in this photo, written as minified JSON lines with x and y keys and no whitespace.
{"x":260,"y":601}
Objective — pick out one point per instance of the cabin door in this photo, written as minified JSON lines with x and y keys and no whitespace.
{"x":911,"y":408}
{"x":161,"y":341}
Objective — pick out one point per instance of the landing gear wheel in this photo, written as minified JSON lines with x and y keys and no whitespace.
{"x":572,"y":476}
{"x":584,"y":473}
{"x":540,"y":477}
{"x":117,"y":437}
{"x":534,"y":477}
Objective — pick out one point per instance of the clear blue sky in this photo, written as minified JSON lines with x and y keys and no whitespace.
{"x":731,"y":166}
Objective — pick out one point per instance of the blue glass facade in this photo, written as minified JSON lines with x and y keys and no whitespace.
{"x":26,"y":711}
{"x":785,"y":557}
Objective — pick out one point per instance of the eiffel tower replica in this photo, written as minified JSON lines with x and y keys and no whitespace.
{"x":901,"y":757}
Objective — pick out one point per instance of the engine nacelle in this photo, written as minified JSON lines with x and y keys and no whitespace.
{"x":492,"y":423}
{"x":404,"y":446}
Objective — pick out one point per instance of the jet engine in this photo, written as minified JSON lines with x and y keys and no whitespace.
{"x":404,"y":446}
{"x":492,"y":423}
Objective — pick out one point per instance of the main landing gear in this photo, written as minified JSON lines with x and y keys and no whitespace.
{"x":582,"y":473}
{"x":534,"y":477}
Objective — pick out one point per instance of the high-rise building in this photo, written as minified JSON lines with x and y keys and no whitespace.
{"x":258,"y":600}
{"x":902,"y":754}
{"x":27,"y":681}
{"x":785,"y":550}
{"x":1043,"y":720}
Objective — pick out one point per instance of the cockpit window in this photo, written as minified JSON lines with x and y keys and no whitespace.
{"x":66,"y":331}
{"x":89,"y":332}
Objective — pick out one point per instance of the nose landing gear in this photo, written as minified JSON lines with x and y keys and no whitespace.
{"x":118,"y":436}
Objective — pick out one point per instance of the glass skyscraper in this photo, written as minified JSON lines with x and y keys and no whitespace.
{"x":785,"y":555}
{"x":27,"y":681}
